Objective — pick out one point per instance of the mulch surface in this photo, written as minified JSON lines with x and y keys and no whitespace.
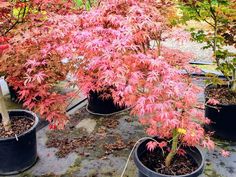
{"x":222,"y":94}
{"x":118,"y":144}
{"x":66,"y":146}
{"x":181,"y":164}
{"x":76,"y":140}
{"x":19,"y":125}
{"x":111,"y":123}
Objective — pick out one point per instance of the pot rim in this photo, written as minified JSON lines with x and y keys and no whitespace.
{"x":36,"y":121}
{"x":163,"y":175}
{"x":218,"y":105}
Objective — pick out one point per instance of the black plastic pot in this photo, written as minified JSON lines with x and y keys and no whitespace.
{"x":13,"y":94}
{"x":194,"y":152}
{"x":223,"y":119}
{"x":19,"y":154}
{"x":98,"y":105}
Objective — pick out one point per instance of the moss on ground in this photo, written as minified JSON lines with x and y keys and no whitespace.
{"x":210,"y":171}
{"x":211,"y":67}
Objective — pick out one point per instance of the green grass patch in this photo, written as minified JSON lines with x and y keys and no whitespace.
{"x":211,"y":67}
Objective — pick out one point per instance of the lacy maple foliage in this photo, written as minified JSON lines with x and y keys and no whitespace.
{"x":121,"y":47}
{"x":116,"y":46}
{"x":18,"y":15}
{"x":31,"y":65}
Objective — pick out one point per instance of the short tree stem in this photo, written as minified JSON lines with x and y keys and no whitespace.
{"x":5,"y":116}
{"x":215,"y":42}
{"x":233,"y":87}
{"x":159,"y":47}
{"x":174,"y":148}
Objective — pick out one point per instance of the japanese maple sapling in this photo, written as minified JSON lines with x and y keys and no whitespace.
{"x":219,"y":17}
{"x":114,"y":40}
{"x":33,"y":65}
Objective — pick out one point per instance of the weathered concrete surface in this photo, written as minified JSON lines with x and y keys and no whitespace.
{"x":87,"y":124}
{"x":48,"y":162}
{"x":100,"y":162}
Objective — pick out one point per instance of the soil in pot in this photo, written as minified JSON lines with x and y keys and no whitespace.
{"x":19,"y":125}
{"x":222,"y":94}
{"x":18,"y":149}
{"x":181,"y":164}
{"x":222,"y":115}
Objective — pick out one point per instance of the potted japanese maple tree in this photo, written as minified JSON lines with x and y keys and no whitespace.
{"x":106,"y":37}
{"x":220,"y":95}
{"x":167,"y":111}
{"x":18,"y":148}
{"x":150,"y":78}
{"x":33,"y":70}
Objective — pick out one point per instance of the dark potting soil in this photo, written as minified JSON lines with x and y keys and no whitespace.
{"x":222,"y":94}
{"x":180,"y":165}
{"x":19,"y":125}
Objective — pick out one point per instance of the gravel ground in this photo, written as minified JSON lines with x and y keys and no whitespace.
{"x":200,"y":55}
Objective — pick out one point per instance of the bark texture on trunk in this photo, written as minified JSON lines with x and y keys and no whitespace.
{"x":173,"y":150}
{"x":3,"y":110}
{"x":233,"y":88}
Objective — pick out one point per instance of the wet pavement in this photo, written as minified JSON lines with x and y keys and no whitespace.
{"x":105,"y":156}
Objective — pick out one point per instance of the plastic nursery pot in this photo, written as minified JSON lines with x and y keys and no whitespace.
{"x":143,"y":171}
{"x":19,"y":154}
{"x":223,"y":119}
{"x":13,"y":94}
{"x":98,"y":105}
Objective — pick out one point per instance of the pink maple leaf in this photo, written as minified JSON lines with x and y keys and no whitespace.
{"x":213,"y":101}
{"x":225,"y":153}
{"x":162,"y":144}
{"x":209,"y":144}
{"x":32,"y":62}
{"x":151,"y":145}
{"x":40,"y":76}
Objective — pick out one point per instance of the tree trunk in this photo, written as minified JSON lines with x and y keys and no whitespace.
{"x":5,"y":116}
{"x":159,"y":47}
{"x":233,"y":88}
{"x":173,"y":150}
{"x":215,"y":42}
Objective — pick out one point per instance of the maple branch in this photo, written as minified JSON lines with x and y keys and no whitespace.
{"x":198,"y":13}
{"x":144,"y":49}
{"x":212,"y":11}
{"x":18,"y":20}
{"x":9,"y":29}
{"x":90,"y":4}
